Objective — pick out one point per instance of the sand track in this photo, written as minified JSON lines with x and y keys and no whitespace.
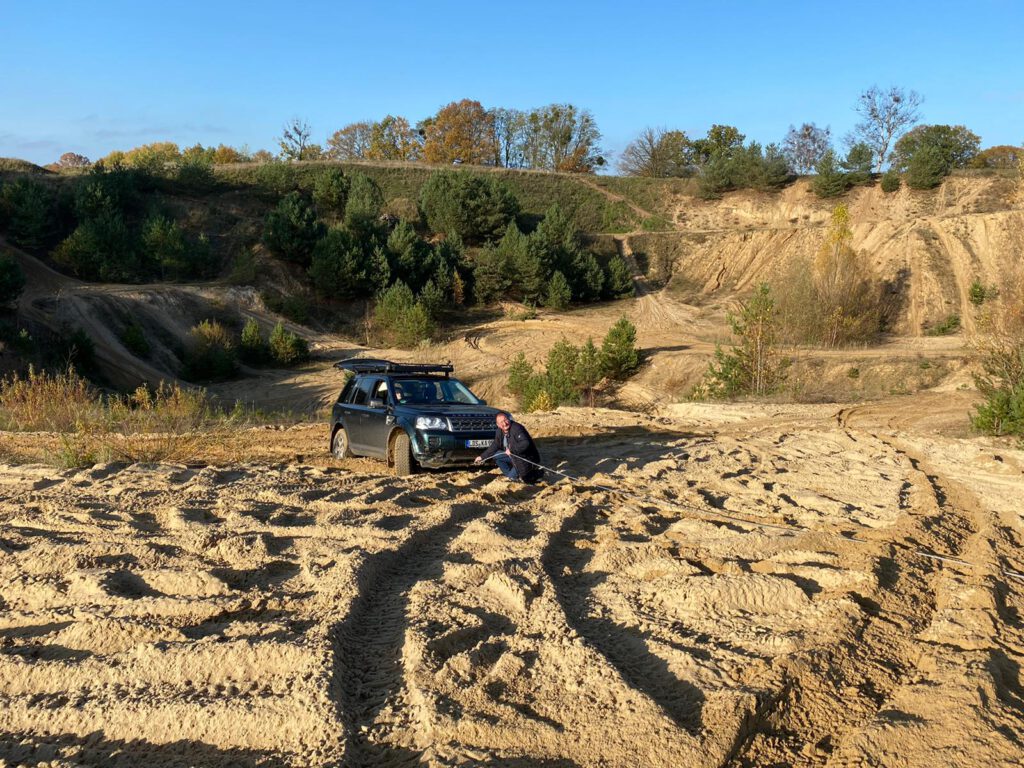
{"x":280,"y":615}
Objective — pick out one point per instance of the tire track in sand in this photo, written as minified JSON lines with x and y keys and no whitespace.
{"x":809,"y":723}
{"x":368,"y":671}
{"x":624,"y":648}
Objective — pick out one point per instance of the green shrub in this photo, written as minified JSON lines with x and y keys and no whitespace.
{"x":28,"y":212}
{"x":292,"y":230}
{"x":618,"y":282}
{"x":559,"y":293}
{"x":433,"y":298}
{"x":12,"y":279}
{"x":619,"y":355}
{"x":277,"y":178}
{"x":1002,"y":412}
{"x":474,"y":207}
{"x":210,"y":353}
{"x":753,"y":366}
{"x":171,"y":252}
{"x":102,"y":247}
{"x":858,"y":163}
{"x":195,"y":173}
{"x":979,"y":293}
{"x":287,"y":348}
{"x":829,"y":181}
{"x":252,"y":349}
{"x":330,"y":192}
{"x":891,"y":181}
{"x":491,"y":275}
{"x":364,"y":203}
{"x":401,"y":319}
{"x":950,"y":325}
{"x":134,"y":339}
{"x":927,"y":168}
{"x":339,"y":267}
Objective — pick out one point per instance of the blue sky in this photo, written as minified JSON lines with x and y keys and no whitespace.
{"x":93,"y":77}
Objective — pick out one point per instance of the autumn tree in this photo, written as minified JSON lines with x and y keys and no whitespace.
{"x":460,"y":132}
{"x":73,"y":160}
{"x":657,"y":153}
{"x":225,"y":155}
{"x":885,"y":115}
{"x":804,"y":146}
{"x":393,"y":139}
{"x":155,"y":158}
{"x":351,"y":142}
{"x":294,"y":139}
{"x":836,"y":300}
{"x":1002,"y":156}
{"x":563,"y":137}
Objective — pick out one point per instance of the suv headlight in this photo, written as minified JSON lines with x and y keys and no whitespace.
{"x":431,"y":422}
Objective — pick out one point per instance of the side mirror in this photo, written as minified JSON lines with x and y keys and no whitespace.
{"x":376,"y":402}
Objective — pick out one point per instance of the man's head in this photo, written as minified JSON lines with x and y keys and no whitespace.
{"x":504,"y":421}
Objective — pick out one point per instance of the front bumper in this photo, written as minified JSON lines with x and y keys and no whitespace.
{"x":447,"y":449}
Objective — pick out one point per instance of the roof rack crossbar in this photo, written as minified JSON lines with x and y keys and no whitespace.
{"x":367,"y":365}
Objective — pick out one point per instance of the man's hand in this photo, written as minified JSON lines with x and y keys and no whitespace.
{"x":478,"y":460}
{"x":508,"y":451}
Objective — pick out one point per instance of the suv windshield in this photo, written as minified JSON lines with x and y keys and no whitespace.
{"x":425,"y":391}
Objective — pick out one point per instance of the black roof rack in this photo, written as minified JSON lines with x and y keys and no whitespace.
{"x":368,"y":365}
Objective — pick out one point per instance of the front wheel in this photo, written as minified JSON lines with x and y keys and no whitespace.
{"x":339,"y":444}
{"x":401,"y":452}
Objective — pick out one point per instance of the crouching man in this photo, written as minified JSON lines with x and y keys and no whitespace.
{"x":511,"y":445}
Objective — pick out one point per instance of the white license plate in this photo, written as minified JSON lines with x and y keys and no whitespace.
{"x":477,"y":443}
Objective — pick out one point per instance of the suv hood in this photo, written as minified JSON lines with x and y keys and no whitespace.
{"x":448,"y":409}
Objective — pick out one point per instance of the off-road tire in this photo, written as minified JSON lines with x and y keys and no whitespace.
{"x":340,"y":447}
{"x":401,"y":453}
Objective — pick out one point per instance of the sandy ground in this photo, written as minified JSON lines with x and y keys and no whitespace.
{"x":297,"y":611}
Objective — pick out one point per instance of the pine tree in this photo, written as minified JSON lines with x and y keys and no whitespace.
{"x":619,"y":356}
{"x":830,"y":180}
{"x":753,"y":365}
{"x":561,"y":372}
{"x":519,"y":375}
{"x":558,"y":294}
{"x":252,"y":348}
{"x":588,"y":370}
{"x":619,"y":282}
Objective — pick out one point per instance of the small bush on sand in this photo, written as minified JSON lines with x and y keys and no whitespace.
{"x":752,"y":366}
{"x":1000,"y":353}
{"x":287,"y":348}
{"x":210,"y":353}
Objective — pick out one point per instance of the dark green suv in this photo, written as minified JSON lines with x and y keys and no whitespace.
{"x":409,"y":415}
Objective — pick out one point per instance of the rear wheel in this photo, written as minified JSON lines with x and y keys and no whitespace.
{"x":339,"y":444}
{"x":401,"y":452}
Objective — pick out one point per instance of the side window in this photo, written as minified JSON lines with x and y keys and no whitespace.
{"x":380,"y":391}
{"x":361,"y":392}
{"x":346,"y":393}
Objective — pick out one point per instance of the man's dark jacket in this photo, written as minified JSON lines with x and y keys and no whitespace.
{"x":521,"y":444}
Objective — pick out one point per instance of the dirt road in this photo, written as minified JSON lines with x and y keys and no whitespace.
{"x":764,"y":599}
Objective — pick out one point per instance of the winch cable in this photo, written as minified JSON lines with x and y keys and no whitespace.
{"x":790,"y":530}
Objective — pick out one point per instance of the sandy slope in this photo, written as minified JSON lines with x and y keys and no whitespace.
{"x":322,"y":614}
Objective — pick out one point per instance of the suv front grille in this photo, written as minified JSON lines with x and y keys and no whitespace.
{"x":471,"y":422}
